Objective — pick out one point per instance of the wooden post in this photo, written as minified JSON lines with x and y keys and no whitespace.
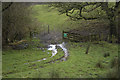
{"x":88,"y":47}
{"x":44,"y":29}
{"x":48,"y":29}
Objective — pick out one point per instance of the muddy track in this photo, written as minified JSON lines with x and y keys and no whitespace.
{"x":61,"y":59}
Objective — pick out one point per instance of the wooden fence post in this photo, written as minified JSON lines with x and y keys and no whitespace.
{"x":88,"y":47}
{"x":48,"y":29}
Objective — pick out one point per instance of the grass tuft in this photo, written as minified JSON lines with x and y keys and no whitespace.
{"x":54,"y":74}
{"x":100,"y":65}
{"x":113,"y":73}
{"x":106,"y":54}
{"x":114,"y":62}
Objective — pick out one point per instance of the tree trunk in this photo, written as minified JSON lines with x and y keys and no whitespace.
{"x":118,"y":29}
{"x":6,"y":38}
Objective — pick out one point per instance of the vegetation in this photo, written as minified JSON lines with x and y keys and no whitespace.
{"x":78,"y":65}
{"x":24,"y":49}
{"x":17,"y":22}
{"x":91,"y":11}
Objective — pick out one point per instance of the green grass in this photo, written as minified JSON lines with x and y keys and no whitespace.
{"x":78,"y":65}
{"x":48,"y":16}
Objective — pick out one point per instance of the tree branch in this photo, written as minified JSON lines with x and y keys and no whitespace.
{"x":72,"y":11}
{"x":117,"y":6}
{"x":93,"y":8}
{"x":91,"y":3}
{"x":80,"y":14}
{"x":7,"y":7}
{"x":80,"y":9}
{"x":73,"y":17}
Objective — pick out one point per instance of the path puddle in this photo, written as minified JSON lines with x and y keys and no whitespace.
{"x":53,"y":48}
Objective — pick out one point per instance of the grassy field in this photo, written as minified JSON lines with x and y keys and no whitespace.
{"x":48,"y":16}
{"x":78,"y":65}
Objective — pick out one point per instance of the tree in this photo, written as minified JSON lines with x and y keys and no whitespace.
{"x":6,"y":6}
{"x":91,"y":11}
{"x":16,"y":20}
